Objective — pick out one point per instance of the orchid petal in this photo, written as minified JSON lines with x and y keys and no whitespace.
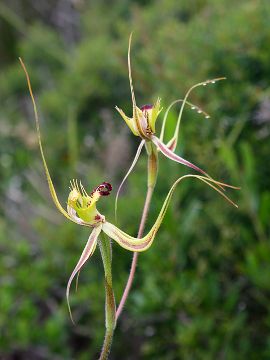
{"x":138,"y":245}
{"x":173,"y":141}
{"x":211,"y":81}
{"x":127,"y":174}
{"x":48,"y":176}
{"x":162,"y":132}
{"x":87,"y":252}
{"x":171,"y":155}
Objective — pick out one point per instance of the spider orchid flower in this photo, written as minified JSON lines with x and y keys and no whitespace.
{"x":82,"y":210}
{"x":142,"y":124}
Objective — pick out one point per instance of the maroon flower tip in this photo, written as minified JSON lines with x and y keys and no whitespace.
{"x":146,"y":107}
{"x":97,"y":217}
{"x":104,"y":189}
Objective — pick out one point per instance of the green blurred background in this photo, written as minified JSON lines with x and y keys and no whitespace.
{"x":202,"y":291}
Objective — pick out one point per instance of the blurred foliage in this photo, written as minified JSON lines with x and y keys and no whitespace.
{"x":202,"y":291}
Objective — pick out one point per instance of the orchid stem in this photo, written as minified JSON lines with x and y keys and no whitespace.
{"x":152,"y":175}
{"x":135,"y":254}
{"x":110,"y":320}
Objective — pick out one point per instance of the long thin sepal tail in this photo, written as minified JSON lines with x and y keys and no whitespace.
{"x":141,"y":244}
{"x":204,"y":83}
{"x":87,"y":252}
{"x":134,"y":106}
{"x":50,"y":183}
{"x":173,"y":141}
{"x":130,"y":77}
{"x":126,"y":176}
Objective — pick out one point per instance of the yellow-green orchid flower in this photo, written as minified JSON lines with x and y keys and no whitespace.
{"x":143,"y":120}
{"x":81,"y":208}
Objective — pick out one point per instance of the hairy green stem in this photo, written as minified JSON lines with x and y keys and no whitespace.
{"x":110,"y":319}
{"x":151,"y":182}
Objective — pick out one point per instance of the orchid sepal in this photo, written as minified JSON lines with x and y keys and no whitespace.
{"x":135,"y":109}
{"x":134,"y":162}
{"x":172,"y":156}
{"x":47,"y":172}
{"x":88,"y":251}
{"x":129,"y":121}
{"x":142,"y":244}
